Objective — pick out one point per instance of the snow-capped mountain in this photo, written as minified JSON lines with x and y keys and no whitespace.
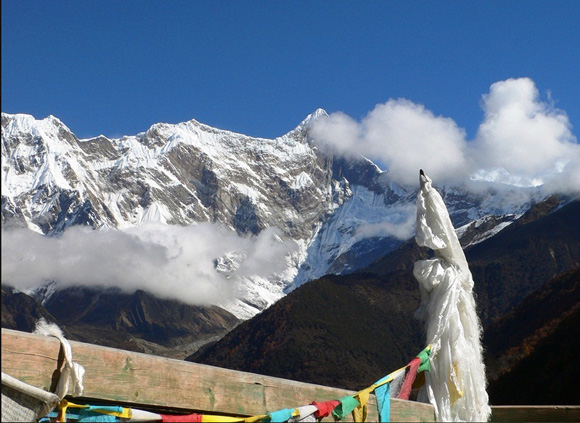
{"x":340,"y":214}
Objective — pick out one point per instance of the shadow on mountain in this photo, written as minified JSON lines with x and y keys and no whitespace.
{"x":136,"y":322}
{"x":21,"y":312}
{"x":343,"y":331}
{"x":518,"y":260}
{"x":531,"y":352}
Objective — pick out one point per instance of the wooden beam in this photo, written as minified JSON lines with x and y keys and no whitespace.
{"x":151,"y":381}
{"x":535,"y":413}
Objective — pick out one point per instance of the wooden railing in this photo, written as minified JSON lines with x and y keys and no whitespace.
{"x":535,"y":413}
{"x":174,"y":386}
{"x":156,"y":383}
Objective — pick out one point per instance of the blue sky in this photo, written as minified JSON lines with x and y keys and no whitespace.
{"x":259,"y":67}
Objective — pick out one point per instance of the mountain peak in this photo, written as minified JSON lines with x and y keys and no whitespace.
{"x":25,"y":123}
{"x":318,"y":113}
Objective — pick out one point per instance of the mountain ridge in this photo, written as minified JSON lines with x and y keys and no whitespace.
{"x":136,"y":322}
{"x":342,"y":228}
{"x":329,"y":210}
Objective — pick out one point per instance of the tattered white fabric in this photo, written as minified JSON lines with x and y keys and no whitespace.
{"x":72,"y":373}
{"x":144,"y":416}
{"x":398,"y":379}
{"x":305,"y":414}
{"x":456,"y":384}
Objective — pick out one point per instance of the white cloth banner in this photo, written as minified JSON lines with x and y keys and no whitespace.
{"x":456,"y":384}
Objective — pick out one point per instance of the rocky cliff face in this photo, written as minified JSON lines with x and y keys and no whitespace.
{"x":176,"y":174}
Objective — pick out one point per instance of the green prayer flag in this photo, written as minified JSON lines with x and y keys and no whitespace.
{"x":347,"y":404}
{"x":425,"y":362}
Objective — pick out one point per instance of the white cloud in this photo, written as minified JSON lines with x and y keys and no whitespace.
{"x":403,"y":135}
{"x":338,"y":133}
{"x":168,"y":261}
{"x":266,"y":253}
{"x":521,"y":141}
{"x":529,"y":139}
{"x":400,"y":224}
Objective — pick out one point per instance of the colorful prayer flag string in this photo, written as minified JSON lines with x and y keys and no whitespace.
{"x":339,"y":409}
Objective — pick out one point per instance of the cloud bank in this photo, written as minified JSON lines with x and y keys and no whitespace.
{"x":168,"y":261}
{"x":400,"y":224}
{"x":521,"y":141}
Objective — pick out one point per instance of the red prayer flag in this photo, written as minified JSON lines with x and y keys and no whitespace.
{"x":183,"y":418}
{"x":409,"y":379}
{"x":324,"y":408}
